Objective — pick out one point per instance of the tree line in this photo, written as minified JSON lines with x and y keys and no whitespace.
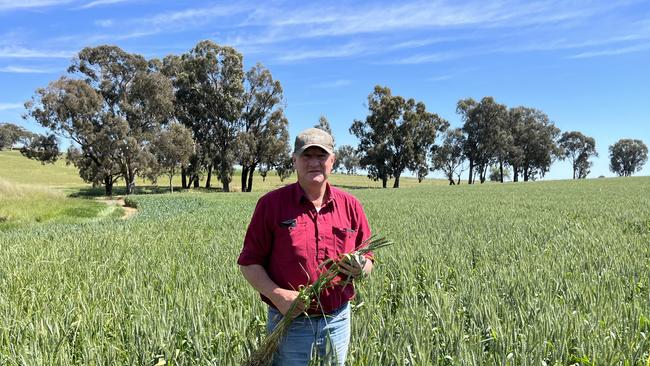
{"x":198,"y":112}
{"x":201,"y":114}
{"x":400,"y":134}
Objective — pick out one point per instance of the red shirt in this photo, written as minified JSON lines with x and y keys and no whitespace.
{"x":289,"y":238}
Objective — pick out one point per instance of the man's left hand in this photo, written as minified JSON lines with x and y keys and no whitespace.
{"x":353,"y":265}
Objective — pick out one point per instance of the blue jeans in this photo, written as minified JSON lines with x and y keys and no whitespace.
{"x":325,"y":338}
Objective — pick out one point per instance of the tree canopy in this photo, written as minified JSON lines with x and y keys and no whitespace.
{"x":44,"y":148}
{"x":12,"y":134}
{"x":111,"y":107}
{"x":209,"y":91}
{"x":578,"y":148}
{"x":534,"y":145}
{"x":264,"y":136}
{"x":396,"y":135}
{"x":627,"y":156}
{"x":347,"y":159}
{"x":173,"y":148}
{"x":449,"y":157}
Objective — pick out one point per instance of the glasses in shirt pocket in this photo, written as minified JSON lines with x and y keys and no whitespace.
{"x":291,"y":223}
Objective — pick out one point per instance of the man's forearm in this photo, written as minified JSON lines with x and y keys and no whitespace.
{"x":258,"y":278}
{"x":283,"y":299}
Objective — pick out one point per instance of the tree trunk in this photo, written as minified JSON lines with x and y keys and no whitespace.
{"x":171,"y":187}
{"x":108,"y":184}
{"x":501,"y":169}
{"x":384,"y":181}
{"x":574,"y":170}
{"x":250,"y":178}
{"x":226,"y":186}
{"x":209,"y":177}
{"x":195,"y":178}
{"x":396,"y":182}
{"x":482,"y":173}
{"x":471,"y":171}
{"x":129,"y":185}
{"x":515,"y":173}
{"x":184,"y":178}
{"x":244,"y":178}
{"x":525,"y":174}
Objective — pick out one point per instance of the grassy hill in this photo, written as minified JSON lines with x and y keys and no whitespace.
{"x":552,"y":273}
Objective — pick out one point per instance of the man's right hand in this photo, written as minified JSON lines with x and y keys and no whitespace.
{"x":256,"y":275}
{"x":283,"y":300}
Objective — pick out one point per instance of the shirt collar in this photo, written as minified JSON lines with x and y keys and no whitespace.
{"x":299,"y":194}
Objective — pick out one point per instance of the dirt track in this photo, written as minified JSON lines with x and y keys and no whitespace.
{"x":119,"y":201}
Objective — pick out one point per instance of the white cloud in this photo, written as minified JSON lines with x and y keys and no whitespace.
{"x":26,"y":70}
{"x":441,"y":78}
{"x":428,"y":58}
{"x":613,"y":51}
{"x":332,"y":21}
{"x":105,"y":23}
{"x":193,"y":15}
{"x":18,"y":52}
{"x":7,"y":106}
{"x":333,"y":84}
{"x":8,"y":5}
{"x":95,"y":3}
{"x":347,"y":50}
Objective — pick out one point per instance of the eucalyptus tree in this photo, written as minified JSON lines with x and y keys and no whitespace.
{"x":173,"y":148}
{"x":346,"y":158}
{"x":449,"y":157}
{"x":74,"y":109}
{"x":135,"y":94}
{"x":209,"y":88}
{"x":324,"y":124}
{"x":111,"y":106}
{"x":264,"y":132}
{"x":627,"y":156}
{"x":487,"y":135}
{"x":414,"y":140}
{"x":11,"y":134}
{"x":534,"y":144}
{"x":396,"y":135}
{"x":374,"y":136}
{"x":285,"y":168}
{"x":43,"y":148}
{"x":578,"y":148}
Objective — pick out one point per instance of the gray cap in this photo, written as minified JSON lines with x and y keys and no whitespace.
{"x":313,"y":137}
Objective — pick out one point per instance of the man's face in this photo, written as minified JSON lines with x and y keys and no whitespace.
{"x":313,"y":165}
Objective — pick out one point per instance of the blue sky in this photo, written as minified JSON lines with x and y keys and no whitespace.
{"x":584,"y":63}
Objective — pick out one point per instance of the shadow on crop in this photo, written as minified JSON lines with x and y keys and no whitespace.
{"x":93,"y":192}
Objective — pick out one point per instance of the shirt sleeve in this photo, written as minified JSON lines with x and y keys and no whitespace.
{"x":363,"y":228}
{"x":259,"y":237}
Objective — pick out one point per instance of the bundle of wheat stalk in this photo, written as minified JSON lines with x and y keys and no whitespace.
{"x":264,"y":355}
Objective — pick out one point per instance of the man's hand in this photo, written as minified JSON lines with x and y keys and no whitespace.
{"x":354,"y":265}
{"x":256,"y":275}
{"x":283,"y":299}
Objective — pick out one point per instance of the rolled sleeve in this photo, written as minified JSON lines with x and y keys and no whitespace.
{"x":257,"y":242}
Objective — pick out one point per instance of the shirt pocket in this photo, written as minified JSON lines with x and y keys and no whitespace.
{"x":344,"y":239}
{"x":290,"y":242}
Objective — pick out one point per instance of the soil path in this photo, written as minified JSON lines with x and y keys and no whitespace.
{"x":119,"y":201}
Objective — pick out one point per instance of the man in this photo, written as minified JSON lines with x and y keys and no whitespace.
{"x":293,"y":230}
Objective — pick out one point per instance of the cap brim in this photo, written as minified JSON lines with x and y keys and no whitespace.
{"x":301,"y":150}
